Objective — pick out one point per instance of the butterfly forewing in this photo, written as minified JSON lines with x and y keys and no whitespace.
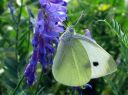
{"x":102,"y":62}
{"x":71,"y":65}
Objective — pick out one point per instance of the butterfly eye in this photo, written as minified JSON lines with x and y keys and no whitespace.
{"x":95,"y":63}
{"x":71,"y":29}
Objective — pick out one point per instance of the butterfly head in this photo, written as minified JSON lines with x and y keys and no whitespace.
{"x":70,"y":29}
{"x":68,"y":33}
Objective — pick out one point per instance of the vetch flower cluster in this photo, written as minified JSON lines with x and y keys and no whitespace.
{"x":48,"y":26}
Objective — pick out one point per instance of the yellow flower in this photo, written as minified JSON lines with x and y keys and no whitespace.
{"x":104,"y":7}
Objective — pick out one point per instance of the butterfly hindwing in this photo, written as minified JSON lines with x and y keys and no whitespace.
{"x":71,"y":65}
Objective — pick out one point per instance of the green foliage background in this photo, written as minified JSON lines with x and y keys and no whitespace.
{"x":15,"y":45}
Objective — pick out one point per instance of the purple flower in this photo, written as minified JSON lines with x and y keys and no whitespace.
{"x":31,"y":68}
{"x":10,"y":5}
{"x":46,"y":34}
{"x":80,"y":89}
{"x":61,"y":2}
{"x":88,"y":34}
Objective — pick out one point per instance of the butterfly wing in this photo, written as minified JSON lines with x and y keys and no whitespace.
{"x":102,"y":62}
{"x":71,"y":65}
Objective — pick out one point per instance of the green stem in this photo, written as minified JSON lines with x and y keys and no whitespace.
{"x":17,"y":29}
{"x":14,"y":92}
{"x":38,"y":83}
{"x":40,"y":90}
{"x":108,"y":26}
{"x":106,"y":23}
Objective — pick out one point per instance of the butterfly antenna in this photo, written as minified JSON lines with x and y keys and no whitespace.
{"x":78,"y":20}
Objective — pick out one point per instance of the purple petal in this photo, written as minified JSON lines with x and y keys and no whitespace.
{"x":43,"y":61}
{"x":88,"y":86}
{"x":88,"y":34}
{"x":58,"y":28}
{"x":53,"y":33}
{"x":10,"y":5}
{"x":31,"y":69}
{"x":30,"y":73}
{"x":55,"y":8}
{"x":64,"y":3}
{"x":42,"y":45}
{"x":56,"y":17}
{"x":56,"y":13}
{"x":40,"y":22}
{"x":43,"y":2}
{"x":55,"y":1}
{"x":35,"y":39}
{"x":50,"y":48}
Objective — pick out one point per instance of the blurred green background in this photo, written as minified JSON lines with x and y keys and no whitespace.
{"x":16,"y":32}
